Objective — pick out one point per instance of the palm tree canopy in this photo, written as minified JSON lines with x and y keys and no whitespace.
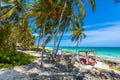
{"x":51,"y":17}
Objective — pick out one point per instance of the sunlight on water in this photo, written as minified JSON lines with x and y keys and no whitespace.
{"x":107,"y":53}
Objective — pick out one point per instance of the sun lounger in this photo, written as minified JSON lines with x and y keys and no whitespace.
{"x":90,"y":61}
{"x":85,"y":59}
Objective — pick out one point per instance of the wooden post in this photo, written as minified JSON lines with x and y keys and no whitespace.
{"x":87,"y":57}
{"x":95,"y":56}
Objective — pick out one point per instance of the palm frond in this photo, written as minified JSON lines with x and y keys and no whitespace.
{"x":9,"y":13}
{"x":93,"y":5}
{"x":82,"y":10}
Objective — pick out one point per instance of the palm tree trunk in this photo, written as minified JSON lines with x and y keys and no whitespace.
{"x":60,"y":39}
{"x":55,"y":40}
{"x":38,"y":43}
{"x":57,"y":45}
{"x":43,"y":38}
{"x":17,"y":38}
{"x":18,"y":33}
{"x":65,"y":3}
{"x":77,"y":47}
{"x":43,"y":45}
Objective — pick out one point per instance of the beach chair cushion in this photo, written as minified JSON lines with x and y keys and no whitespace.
{"x":90,"y":61}
{"x":59,"y":53}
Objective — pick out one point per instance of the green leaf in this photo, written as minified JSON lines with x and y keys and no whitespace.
{"x":9,"y":13}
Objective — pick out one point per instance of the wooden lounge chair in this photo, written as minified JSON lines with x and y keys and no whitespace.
{"x":90,"y":61}
{"x":86,"y":59}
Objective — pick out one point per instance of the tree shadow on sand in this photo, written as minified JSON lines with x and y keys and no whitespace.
{"x":61,"y":69}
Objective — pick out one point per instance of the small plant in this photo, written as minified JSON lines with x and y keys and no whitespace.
{"x":102,"y":70}
{"x":10,"y":58}
{"x":118,"y":69}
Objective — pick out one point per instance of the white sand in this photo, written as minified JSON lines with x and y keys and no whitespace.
{"x":21,"y":72}
{"x":99,"y":65}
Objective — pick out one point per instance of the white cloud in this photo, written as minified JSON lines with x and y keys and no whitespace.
{"x":109,"y":36}
{"x":103,"y":24}
{"x":106,"y":37}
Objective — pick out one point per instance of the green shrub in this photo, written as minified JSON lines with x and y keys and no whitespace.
{"x":10,"y":58}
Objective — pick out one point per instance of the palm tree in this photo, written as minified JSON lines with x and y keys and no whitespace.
{"x":26,"y":36}
{"x":2,"y":38}
{"x":5,"y":33}
{"x":81,"y":15}
{"x":38,"y":45}
{"x":60,"y":19}
{"x":77,"y":34}
{"x":13,"y":11}
{"x":67,"y":17}
{"x":42,"y":17}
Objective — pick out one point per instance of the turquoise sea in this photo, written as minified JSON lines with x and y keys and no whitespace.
{"x":107,"y":53}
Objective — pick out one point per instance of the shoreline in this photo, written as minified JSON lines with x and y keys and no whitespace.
{"x":102,"y":56}
{"x":110,"y":63}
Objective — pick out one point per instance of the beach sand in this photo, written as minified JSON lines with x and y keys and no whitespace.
{"x":58,"y":70}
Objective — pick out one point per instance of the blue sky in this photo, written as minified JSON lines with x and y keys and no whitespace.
{"x":102,"y":26}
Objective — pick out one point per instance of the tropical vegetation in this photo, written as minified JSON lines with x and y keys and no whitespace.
{"x":53,"y":18}
{"x":10,"y":58}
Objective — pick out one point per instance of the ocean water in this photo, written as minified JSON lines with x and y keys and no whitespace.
{"x":107,"y":53}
